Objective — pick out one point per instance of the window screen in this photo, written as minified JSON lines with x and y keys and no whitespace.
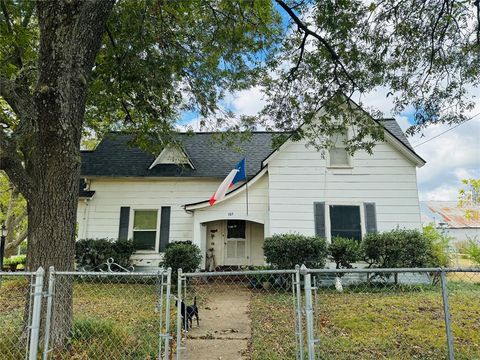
{"x":144,"y":229}
{"x":236,"y":229}
{"x":345,"y":221}
{"x":338,"y":154}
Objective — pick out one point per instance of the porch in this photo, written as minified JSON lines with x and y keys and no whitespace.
{"x":232,"y":243}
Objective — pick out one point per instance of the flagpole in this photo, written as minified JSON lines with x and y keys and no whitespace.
{"x":246,"y":184}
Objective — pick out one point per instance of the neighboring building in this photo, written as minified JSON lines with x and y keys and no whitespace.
{"x":154,"y":200}
{"x":449,"y":217}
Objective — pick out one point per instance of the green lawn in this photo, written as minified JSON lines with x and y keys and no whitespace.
{"x":393,"y":324}
{"x":111,"y":321}
{"x":118,"y":321}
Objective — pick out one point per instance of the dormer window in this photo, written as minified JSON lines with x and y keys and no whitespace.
{"x":338,"y":155}
{"x":172,"y":155}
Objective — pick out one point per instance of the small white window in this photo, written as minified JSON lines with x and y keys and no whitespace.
{"x":145,"y":229}
{"x":338,"y":154}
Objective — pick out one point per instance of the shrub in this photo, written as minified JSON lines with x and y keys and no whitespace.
{"x":284,"y":251}
{"x":439,"y":246}
{"x":92,"y":253}
{"x":397,"y":248}
{"x":344,"y":252}
{"x":472,"y":250}
{"x":15,"y":262}
{"x":182,"y":254}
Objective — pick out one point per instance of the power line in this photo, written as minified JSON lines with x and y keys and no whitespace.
{"x":474,"y":116}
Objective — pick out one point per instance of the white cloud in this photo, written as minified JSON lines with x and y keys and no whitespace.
{"x":248,"y":102}
{"x":450,"y":157}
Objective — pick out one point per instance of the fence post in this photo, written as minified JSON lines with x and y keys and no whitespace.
{"x":179,"y":313}
{"x":446,"y":313}
{"x":309,"y":314}
{"x":167,"y":314}
{"x":36,"y":313}
{"x":48,"y":318}
{"x":298,"y":309}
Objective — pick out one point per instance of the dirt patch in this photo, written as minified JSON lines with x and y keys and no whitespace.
{"x":225,"y":326}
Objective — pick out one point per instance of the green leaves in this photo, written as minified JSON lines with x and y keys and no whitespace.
{"x":182,"y":255}
{"x":397,"y":249}
{"x":161,"y":58}
{"x":284,"y":251}
{"x":344,"y":252}
{"x":94,"y":253}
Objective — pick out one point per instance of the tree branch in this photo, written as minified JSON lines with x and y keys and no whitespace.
{"x":119,"y":71}
{"x":308,"y":32}
{"x":13,"y":244}
{"x":18,"y":97}
{"x":18,"y":51}
{"x":300,"y":56}
{"x":13,"y":167}
{"x":477,"y":5}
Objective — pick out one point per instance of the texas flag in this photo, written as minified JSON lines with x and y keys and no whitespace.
{"x":236,"y":175}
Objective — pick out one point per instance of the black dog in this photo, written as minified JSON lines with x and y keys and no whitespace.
{"x":188,"y":313}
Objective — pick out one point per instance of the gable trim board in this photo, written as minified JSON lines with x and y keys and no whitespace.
{"x":229,"y":195}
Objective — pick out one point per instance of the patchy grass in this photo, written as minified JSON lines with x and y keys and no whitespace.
{"x":119,"y":321}
{"x":13,"y":296}
{"x":116,"y":321}
{"x":272,"y":327}
{"x":373,"y":325}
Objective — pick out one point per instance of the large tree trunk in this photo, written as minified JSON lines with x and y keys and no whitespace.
{"x":70,"y":36}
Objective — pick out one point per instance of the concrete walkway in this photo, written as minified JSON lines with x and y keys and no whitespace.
{"x":225,"y":326}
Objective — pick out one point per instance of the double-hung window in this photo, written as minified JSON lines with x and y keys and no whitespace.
{"x":338,"y":154}
{"x":145,"y":229}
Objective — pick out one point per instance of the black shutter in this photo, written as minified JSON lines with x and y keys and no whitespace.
{"x":164,"y":227}
{"x":319,"y":217}
{"x":123,"y":224}
{"x":370,"y":218}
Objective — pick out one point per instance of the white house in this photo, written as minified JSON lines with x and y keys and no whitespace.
{"x":129,"y":193}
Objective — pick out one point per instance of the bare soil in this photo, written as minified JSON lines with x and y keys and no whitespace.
{"x":225,"y":326}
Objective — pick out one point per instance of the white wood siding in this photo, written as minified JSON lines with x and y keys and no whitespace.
{"x":103,"y":211}
{"x":298,"y":176}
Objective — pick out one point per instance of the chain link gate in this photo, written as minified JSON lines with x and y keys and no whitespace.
{"x":21,"y":298}
{"x":102,"y":312}
{"x":230,"y":306}
{"x":343,"y":305}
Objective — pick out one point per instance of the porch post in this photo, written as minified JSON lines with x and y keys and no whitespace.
{"x":200,"y":238}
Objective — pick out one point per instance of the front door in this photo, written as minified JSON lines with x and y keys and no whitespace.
{"x":236,"y":246}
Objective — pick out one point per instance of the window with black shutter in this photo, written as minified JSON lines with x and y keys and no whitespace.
{"x":144,"y":229}
{"x":345,"y":221}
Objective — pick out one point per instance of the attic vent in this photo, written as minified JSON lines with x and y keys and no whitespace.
{"x":172,"y":155}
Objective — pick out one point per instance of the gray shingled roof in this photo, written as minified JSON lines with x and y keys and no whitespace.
{"x":393,"y":128}
{"x":114,"y":157}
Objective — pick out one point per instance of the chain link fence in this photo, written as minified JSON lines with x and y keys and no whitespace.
{"x":17,"y":294}
{"x":394,"y":313}
{"x":259,"y":315}
{"x":235,"y":315}
{"x":464,"y":305}
{"x":110,"y":316}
